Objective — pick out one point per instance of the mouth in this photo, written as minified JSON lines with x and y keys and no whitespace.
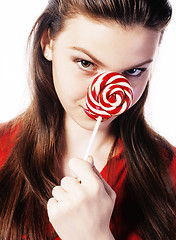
{"x":89,"y":114}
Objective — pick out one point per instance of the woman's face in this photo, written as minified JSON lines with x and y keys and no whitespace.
{"x":86,"y":48}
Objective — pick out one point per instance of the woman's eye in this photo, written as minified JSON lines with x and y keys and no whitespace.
{"x":86,"y":65}
{"x":136,"y":72}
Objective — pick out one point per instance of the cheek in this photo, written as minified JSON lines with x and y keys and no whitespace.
{"x":138,"y":90}
{"x":66,"y":85}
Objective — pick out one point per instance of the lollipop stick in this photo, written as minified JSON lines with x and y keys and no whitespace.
{"x":93,"y":137}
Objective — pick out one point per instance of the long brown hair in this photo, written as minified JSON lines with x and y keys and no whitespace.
{"x":30,"y":173}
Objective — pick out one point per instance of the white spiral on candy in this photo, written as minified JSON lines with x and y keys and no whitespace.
{"x":101,"y":89}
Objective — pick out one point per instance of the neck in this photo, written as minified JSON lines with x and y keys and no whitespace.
{"x":77,"y":140}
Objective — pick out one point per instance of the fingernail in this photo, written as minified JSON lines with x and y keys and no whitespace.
{"x":91,"y":161}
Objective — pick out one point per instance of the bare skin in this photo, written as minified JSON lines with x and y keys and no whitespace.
{"x":77,"y":57}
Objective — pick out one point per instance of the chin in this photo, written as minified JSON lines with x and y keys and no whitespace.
{"x":88,"y":124}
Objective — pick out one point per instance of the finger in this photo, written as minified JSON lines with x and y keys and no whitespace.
{"x":89,"y":175}
{"x":107,"y":187}
{"x":70,"y":184}
{"x":51,"y":208}
{"x":83,"y":170}
{"x":59,"y":193}
{"x":91,"y":161}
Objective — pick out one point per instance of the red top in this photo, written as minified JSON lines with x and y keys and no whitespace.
{"x":116,"y":176}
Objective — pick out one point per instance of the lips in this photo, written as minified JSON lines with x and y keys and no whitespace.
{"x":89,"y":114}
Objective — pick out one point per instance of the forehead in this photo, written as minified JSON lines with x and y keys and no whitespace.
{"x":110,"y":42}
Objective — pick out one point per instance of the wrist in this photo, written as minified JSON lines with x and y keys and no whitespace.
{"x":106,"y":236}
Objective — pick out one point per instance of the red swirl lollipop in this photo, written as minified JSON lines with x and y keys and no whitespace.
{"x":108,"y":94}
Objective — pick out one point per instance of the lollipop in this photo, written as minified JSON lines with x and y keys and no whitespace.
{"x":109,"y":94}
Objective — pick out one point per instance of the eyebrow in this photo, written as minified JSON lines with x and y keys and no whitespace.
{"x":89,"y":55}
{"x":141,"y":64}
{"x":102,"y":64}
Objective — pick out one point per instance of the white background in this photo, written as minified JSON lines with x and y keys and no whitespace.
{"x":16,"y":20}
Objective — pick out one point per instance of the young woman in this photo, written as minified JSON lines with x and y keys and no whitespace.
{"x":47,"y":190}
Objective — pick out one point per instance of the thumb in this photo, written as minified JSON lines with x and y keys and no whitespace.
{"x":107,"y":187}
{"x":91,"y":161}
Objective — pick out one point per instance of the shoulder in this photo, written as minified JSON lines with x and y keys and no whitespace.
{"x":8,"y":134}
{"x":172,"y":168}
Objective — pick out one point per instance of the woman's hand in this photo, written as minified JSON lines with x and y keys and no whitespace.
{"x":82,"y":209}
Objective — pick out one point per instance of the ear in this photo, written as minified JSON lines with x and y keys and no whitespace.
{"x":47,"y":45}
